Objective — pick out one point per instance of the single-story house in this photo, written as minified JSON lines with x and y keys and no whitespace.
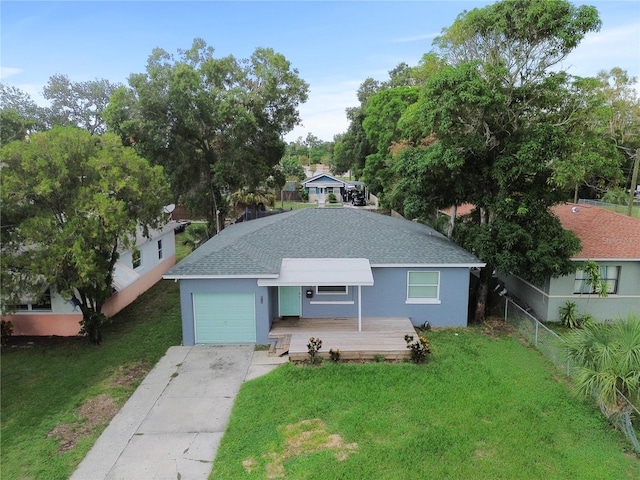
{"x":610,"y":239}
{"x":320,"y":186}
{"x":134,"y":274}
{"x":320,"y":263}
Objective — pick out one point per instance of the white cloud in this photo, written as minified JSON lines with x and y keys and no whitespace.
{"x":611,"y":47}
{"x":6,"y":72}
{"x":324,"y":113}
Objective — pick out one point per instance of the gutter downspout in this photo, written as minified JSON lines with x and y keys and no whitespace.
{"x":359,"y":308}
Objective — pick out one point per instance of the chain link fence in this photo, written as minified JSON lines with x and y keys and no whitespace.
{"x":623,"y":209}
{"x":626,"y":418}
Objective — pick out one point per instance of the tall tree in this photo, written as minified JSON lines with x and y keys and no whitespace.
{"x":498,"y":115}
{"x":19,"y":114}
{"x":595,"y":162}
{"x":78,"y":104}
{"x":292,"y":169}
{"x":353,"y":147}
{"x":76,"y":201}
{"x":215,"y":124}
{"x":381,"y":127}
{"x":622,"y":119}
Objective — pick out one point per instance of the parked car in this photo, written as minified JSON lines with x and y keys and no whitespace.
{"x":359,"y":201}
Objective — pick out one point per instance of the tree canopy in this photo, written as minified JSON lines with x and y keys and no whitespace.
{"x":75,"y":104}
{"x":491,"y":128}
{"x":78,"y":104}
{"x":71,"y":203}
{"x":19,"y":114}
{"x":215,"y":124}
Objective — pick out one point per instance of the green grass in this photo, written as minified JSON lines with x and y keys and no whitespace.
{"x":182,"y":250}
{"x":43,"y":384}
{"x":481,"y":408}
{"x":294,"y":205}
{"x":623,"y":209}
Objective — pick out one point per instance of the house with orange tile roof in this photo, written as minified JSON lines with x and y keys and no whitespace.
{"x":610,"y":239}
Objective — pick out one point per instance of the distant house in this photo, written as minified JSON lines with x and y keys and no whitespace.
{"x":320,"y":263}
{"x":320,"y":186}
{"x":133,"y":275}
{"x":608,"y":238}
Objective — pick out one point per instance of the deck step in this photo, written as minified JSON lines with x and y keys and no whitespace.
{"x":281,"y":347}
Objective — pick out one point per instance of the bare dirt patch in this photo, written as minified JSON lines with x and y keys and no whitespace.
{"x":302,"y":438}
{"x":95,"y":411}
{"x":129,"y":375}
{"x":495,"y":327}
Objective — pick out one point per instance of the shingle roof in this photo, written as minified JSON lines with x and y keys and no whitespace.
{"x":257,"y":247}
{"x":603,"y":233}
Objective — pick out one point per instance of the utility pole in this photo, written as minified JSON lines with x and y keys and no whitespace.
{"x":634,"y":182}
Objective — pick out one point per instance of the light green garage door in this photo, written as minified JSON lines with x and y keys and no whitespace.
{"x":224,"y":317}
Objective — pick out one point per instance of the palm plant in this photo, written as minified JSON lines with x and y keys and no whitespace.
{"x":194,"y":235}
{"x":607,"y":366}
{"x":569,"y":314}
{"x":245,"y":198}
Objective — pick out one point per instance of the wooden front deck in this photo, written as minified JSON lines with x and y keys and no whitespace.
{"x":380,"y":336}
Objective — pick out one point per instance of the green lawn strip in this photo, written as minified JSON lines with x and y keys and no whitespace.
{"x":182,"y":250}
{"x":481,"y":408}
{"x":293,"y":205}
{"x":624,"y":209}
{"x":44,"y":385}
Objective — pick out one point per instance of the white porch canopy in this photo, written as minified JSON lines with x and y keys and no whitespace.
{"x":323,"y":272}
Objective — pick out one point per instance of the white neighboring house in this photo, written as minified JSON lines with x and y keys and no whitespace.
{"x":133,"y":275}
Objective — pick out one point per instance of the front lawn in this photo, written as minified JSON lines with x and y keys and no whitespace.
{"x":58,"y":394}
{"x":293,"y":205}
{"x":481,"y":408}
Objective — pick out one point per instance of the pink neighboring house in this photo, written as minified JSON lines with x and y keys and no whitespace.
{"x":59,"y":316}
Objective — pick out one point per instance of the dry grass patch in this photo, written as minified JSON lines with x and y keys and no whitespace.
{"x":302,"y":438}
{"x":98,"y":410}
{"x":127,"y":376}
{"x":95,"y":411}
{"x":496,"y":327}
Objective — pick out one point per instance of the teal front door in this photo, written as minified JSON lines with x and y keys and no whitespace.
{"x":289,"y":300}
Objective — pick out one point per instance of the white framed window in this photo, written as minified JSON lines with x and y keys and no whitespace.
{"x":609,"y":274}
{"x":42,"y":304}
{"x":423,"y":287}
{"x":160,"y":249}
{"x":332,"y":290}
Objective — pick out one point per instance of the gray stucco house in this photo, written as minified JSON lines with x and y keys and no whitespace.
{"x":610,"y":239}
{"x":320,"y":263}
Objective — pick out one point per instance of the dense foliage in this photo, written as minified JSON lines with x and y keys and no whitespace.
{"x":71,"y":202}
{"x":498,"y":125}
{"x":214,"y":124}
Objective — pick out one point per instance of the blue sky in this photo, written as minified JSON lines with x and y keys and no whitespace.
{"x":335,"y":45}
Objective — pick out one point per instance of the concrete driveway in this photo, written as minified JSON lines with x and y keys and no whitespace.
{"x":172,"y":424}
